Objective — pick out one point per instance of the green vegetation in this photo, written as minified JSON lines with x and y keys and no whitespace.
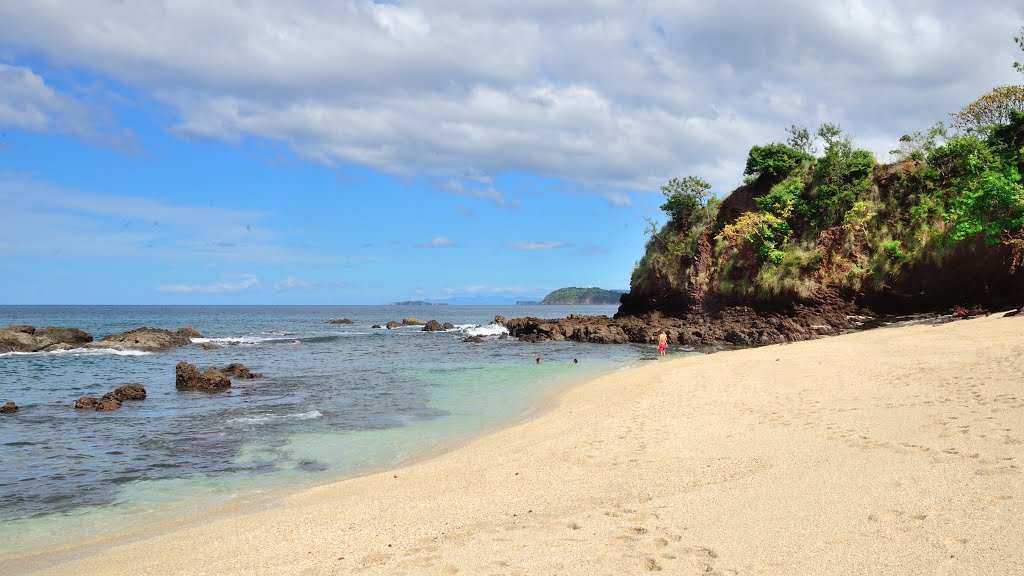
{"x":842,"y":221}
{"x":583,"y":296}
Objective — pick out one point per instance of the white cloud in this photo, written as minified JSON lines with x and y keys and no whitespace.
{"x":244,"y":282}
{"x":28,"y":103}
{"x":439,"y":242}
{"x":533,"y":246}
{"x":611,"y":96}
{"x":290,"y":283}
{"x":70,"y":222}
{"x":486,"y":192}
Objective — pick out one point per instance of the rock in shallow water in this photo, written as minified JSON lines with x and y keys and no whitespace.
{"x":188,"y":377}
{"x":9,"y":408}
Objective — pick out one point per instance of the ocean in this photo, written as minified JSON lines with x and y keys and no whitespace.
{"x":345,"y":400}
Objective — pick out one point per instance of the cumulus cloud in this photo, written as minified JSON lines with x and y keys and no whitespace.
{"x":534,"y":246}
{"x":610,"y":96}
{"x":27,"y":102}
{"x":439,"y":242}
{"x":243,"y":282}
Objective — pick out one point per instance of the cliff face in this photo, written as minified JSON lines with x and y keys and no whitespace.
{"x":924,"y":234}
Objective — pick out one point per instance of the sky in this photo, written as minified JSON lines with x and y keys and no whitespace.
{"x":358,"y":152}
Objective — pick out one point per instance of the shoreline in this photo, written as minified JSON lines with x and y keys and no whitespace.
{"x":893,"y":450}
{"x":541,"y":402}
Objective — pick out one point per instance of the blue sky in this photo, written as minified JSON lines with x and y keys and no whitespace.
{"x":360,"y":153}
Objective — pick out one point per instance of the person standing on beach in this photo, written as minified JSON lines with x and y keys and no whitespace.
{"x":662,"y":344}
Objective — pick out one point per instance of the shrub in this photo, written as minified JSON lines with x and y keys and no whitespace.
{"x":784,"y":199}
{"x":774,"y":160}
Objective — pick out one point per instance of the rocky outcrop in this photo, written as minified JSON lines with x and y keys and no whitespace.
{"x":210,"y":346}
{"x":133,"y":391}
{"x":236,"y":370}
{"x":391,"y":325}
{"x":500,"y":320}
{"x":20,"y":338}
{"x":435,"y":326}
{"x":473,"y":339}
{"x":734,"y":326}
{"x":338,"y":321}
{"x":112,"y":400}
{"x":99,"y":404}
{"x":376,"y":326}
{"x":9,"y":408}
{"x":413,"y":322}
{"x":188,"y":377}
{"x":149,"y":339}
{"x":189,"y":332}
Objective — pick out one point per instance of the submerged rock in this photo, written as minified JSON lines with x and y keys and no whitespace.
{"x":338,"y":321}
{"x":86,"y":403}
{"x":391,"y":325}
{"x":237,"y":370}
{"x":107,"y":404}
{"x":210,"y":346}
{"x":473,"y":339}
{"x":9,"y":408}
{"x":188,"y":377}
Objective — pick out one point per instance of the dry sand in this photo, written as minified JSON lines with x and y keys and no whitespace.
{"x":893,"y":451}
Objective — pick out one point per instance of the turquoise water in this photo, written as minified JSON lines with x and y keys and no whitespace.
{"x":345,"y":400}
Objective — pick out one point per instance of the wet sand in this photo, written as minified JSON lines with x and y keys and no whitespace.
{"x":891,"y":451}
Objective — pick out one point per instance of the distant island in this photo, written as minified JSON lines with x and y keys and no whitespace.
{"x":418,"y":303}
{"x":575,"y":295}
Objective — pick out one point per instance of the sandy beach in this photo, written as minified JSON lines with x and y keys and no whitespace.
{"x":891,"y":451}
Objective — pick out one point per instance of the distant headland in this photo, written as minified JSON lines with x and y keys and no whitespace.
{"x":573,"y":295}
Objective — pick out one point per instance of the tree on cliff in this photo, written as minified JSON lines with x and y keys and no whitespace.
{"x":950,"y":208}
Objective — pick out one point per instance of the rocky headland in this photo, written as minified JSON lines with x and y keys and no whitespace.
{"x":20,"y":338}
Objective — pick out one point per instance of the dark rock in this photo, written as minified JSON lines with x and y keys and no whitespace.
{"x":236,"y":370}
{"x":189,"y":332}
{"x":210,"y":346}
{"x":503,"y":336}
{"x":9,"y":408}
{"x":107,"y":404}
{"x":413,"y":322}
{"x":54,"y":334}
{"x":133,"y":391}
{"x":375,"y":326}
{"x":447,"y":326}
{"x":473,"y":339}
{"x":151,"y":339}
{"x":338,"y":321}
{"x":728,"y":327}
{"x":27,"y":339}
{"x":392,"y":325}
{"x":500,"y":320}
{"x":188,"y":377}
{"x":432,"y":326}
{"x":86,"y":403}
